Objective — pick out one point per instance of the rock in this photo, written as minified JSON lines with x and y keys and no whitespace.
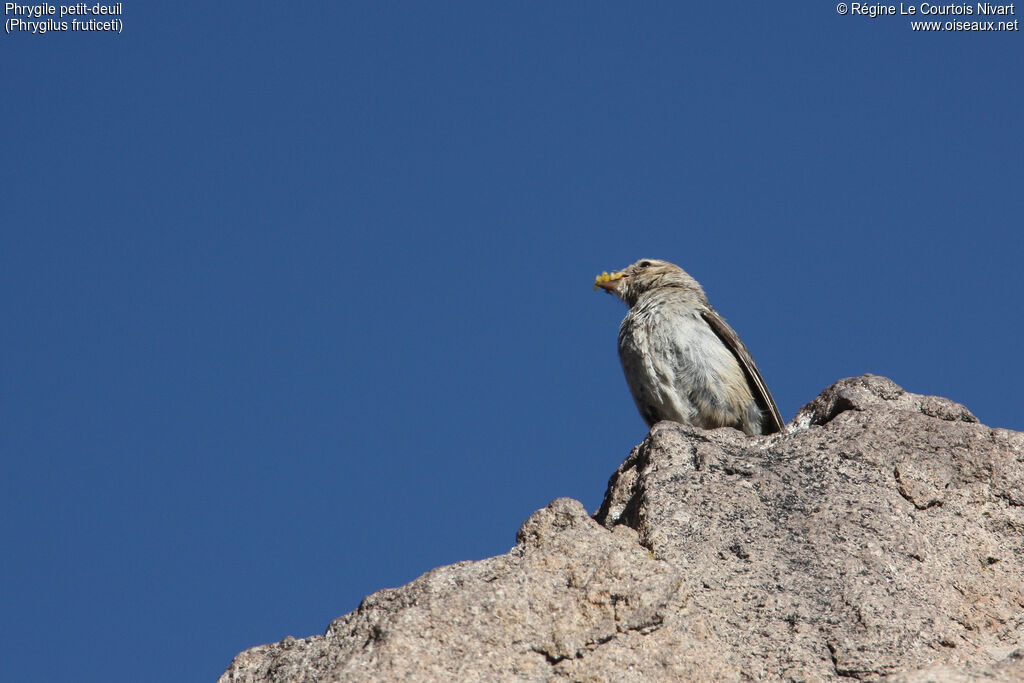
{"x":879,"y":539}
{"x":567,"y":589}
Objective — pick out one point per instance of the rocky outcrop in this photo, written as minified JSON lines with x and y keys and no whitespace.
{"x":881,"y":538}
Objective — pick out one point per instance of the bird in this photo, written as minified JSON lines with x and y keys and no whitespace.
{"x":682,"y":361}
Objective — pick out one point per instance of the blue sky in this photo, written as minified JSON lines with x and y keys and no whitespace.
{"x":297,"y":297}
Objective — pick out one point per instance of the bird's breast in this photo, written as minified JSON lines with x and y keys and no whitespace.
{"x":678,"y":369}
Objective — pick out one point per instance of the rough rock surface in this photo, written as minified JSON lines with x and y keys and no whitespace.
{"x":881,"y":538}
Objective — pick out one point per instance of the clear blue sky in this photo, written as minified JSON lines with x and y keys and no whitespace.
{"x":297,"y":296}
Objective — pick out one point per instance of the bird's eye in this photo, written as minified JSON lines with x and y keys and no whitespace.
{"x":644,"y":264}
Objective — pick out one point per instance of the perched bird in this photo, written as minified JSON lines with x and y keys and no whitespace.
{"x":681,"y":359}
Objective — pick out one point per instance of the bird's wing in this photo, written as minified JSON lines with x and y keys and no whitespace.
{"x":758,"y":388}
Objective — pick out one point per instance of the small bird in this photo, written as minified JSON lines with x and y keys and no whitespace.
{"x":681,"y":359}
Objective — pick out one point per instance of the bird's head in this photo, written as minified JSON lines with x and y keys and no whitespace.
{"x":647,"y":275}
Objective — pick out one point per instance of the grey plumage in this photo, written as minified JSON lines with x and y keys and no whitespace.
{"x":681,"y":359}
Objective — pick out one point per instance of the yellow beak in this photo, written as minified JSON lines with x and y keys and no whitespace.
{"x":609,"y":281}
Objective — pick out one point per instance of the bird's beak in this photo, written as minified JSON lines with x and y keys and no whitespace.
{"x":609,"y":281}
